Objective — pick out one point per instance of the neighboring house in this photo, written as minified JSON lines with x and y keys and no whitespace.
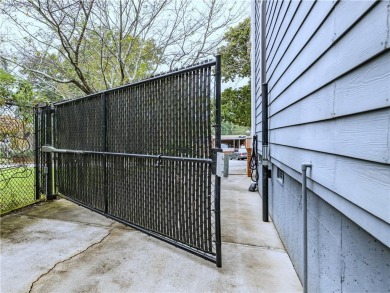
{"x":233,"y":142}
{"x":327,"y":65}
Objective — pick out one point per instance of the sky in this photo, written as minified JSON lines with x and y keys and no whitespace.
{"x":6,"y":28}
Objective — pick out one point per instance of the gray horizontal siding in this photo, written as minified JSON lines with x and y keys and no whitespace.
{"x":271,"y":16}
{"x":368,"y":84}
{"x":270,"y":33}
{"x":282,"y":13}
{"x":327,"y":66}
{"x":313,"y":40}
{"x":283,"y":28}
{"x":360,"y":136}
{"x":298,"y":49}
{"x":293,"y":28}
{"x":345,"y":55}
{"x":269,"y":5}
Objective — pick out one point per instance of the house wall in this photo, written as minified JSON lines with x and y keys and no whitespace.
{"x":327,"y":65}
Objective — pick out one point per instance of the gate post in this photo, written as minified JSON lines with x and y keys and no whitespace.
{"x":218,"y":149}
{"x":36,"y":153}
{"x":49,"y":160}
{"x":104,"y":128}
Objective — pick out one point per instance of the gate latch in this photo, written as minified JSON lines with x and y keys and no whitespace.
{"x":159,"y":162}
{"x":47,"y":149}
{"x":220,"y":165}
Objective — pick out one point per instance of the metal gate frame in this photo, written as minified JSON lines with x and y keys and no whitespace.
{"x":59,"y":157}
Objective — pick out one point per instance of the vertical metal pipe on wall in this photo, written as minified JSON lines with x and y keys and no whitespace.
{"x":264,"y":101}
{"x":218,"y":149}
{"x":265,"y":150}
{"x":304,"y":213}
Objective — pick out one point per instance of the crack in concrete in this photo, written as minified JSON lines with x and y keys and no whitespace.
{"x":69,"y":258}
{"x":266,"y":247}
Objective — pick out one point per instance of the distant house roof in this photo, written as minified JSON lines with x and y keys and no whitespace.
{"x":232,"y":137}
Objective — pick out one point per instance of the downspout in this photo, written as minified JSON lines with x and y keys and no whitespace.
{"x":264,"y":95}
{"x":304,"y":167}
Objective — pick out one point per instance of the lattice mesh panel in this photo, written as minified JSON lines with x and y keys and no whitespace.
{"x":171,"y":198}
{"x":166,"y":116}
{"x":79,"y":124}
{"x":81,"y":178}
{"x":147,"y":155}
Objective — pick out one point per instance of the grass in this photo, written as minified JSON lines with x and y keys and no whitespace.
{"x":17,"y":188}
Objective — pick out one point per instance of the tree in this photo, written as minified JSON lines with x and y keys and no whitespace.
{"x":98,"y":44}
{"x":236,"y":103}
{"x":16,"y":115}
{"x":236,"y":55}
{"x":19,"y":92}
{"x":229,"y":128}
{"x":6,"y":84}
{"x":13,"y":90}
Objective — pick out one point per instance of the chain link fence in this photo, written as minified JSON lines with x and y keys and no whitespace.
{"x":17,"y":176}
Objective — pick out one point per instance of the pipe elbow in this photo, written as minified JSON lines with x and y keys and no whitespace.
{"x":304,"y":166}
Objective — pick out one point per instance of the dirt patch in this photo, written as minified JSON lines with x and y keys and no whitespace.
{"x":24,"y":209}
{"x":12,"y":225}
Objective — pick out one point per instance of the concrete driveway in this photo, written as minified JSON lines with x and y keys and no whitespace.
{"x":60,"y":247}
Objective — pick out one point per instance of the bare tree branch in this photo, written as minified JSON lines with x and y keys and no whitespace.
{"x":99,"y":44}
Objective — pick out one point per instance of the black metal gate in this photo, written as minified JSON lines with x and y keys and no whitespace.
{"x":143,"y":154}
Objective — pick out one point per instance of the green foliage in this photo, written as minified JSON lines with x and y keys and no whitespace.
{"x":236,"y":105}
{"x":24,"y":94}
{"x":6,"y":84}
{"x":235,"y":55}
{"x":19,"y":91}
{"x":229,"y":128}
{"x":136,"y":62}
{"x":99,"y":63}
{"x":14,"y":90}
